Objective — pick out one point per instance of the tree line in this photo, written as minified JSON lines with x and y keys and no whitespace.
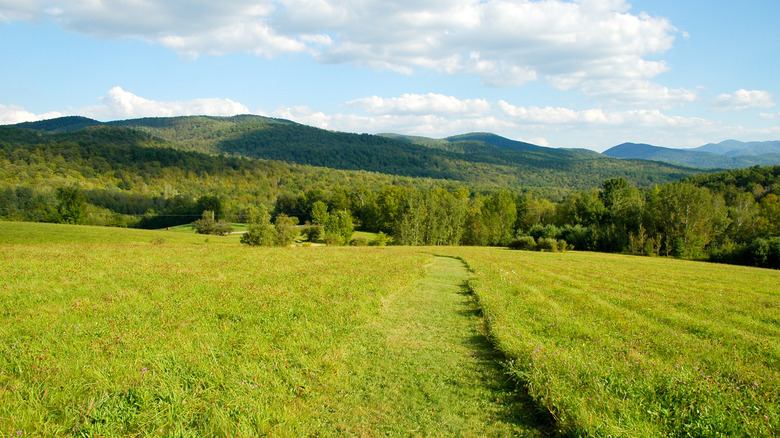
{"x":730,"y":217}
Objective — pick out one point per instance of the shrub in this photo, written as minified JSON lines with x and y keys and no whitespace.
{"x":547,"y":244}
{"x":561,"y":245}
{"x":285,"y":229}
{"x":259,"y":234}
{"x":381,"y":239}
{"x":207,"y":225}
{"x":359,"y":241}
{"x":577,"y":237}
{"x":313,"y":233}
{"x":526,"y":243}
{"x":333,"y":239}
{"x":547,"y":231}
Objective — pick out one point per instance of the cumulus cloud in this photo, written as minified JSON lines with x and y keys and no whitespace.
{"x":769,"y":116}
{"x":431,"y":125}
{"x":596,"y":47}
{"x":430,"y":103}
{"x":435,"y":115}
{"x":121,"y":104}
{"x":12,"y":114}
{"x":742,"y":100}
{"x":12,"y":10}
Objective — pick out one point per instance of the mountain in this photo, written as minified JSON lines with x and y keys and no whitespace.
{"x":479,"y":160}
{"x":703,"y":157}
{"x":496,"y":140}
{"x":735,"y":148}
{"x":61,"y":124}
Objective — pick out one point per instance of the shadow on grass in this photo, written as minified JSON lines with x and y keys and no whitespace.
{"x":520,"y":408}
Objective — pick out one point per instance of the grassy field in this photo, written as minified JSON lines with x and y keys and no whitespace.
{"x":184,"y":339}
{"x":117,"y":332}
{"x":27,"y":233}
{"x":634,"y":346}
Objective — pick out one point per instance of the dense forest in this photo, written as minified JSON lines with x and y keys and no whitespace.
{"x":731,"y":217}
{"x":483,"y":161}
{"x":112,"y":175}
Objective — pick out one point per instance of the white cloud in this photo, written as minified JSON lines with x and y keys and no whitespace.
{"x":12,"y":10}
{"x":597,"y":47}
{"x":436,"y":115}
{"x":121,"y":104}
{"x":769,"y":116}
{"x":430,"y":103}
{"x":742,"y":100}
{"x":431,"y":125}
{"x":439,"y":116}
{"x":12,"y":114}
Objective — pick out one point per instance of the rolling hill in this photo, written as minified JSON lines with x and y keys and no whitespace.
{"x":730,"y":154}
{"x":478,"y":160}
{"x":735,"y":148}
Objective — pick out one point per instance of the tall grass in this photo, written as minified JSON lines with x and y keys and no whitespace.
{"x":179,"y":339}
{"x":626,"y":346}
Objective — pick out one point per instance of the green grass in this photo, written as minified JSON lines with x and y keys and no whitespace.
{"x":633,"y":346}
{"x":118,"y":332}
{"x":134,"y":338}
{"x":17,"y":233}
{"x":191,"y":340}
{"x":424,"y":367}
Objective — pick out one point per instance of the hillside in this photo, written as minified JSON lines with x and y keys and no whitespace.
{"x":481,"y":161}
{"x":726,"y":155}
{"x":735,"y":148}
{"x":126,"y":174}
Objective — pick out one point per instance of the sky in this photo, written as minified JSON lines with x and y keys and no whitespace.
{"x":561,"y":73}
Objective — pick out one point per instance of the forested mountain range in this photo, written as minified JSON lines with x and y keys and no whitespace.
{"x":730,"y":154}
{"x":477,"y":189}
{"x":478,"y":160}
{"x":735,"y":148}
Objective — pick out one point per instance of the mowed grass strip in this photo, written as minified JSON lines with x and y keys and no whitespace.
{"x":424,"y":367}
{"x":180,"y":339}
{"x":633,"y":346}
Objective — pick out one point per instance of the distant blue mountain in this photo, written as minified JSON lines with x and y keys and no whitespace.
{"x":734,"y":148}
{"x":735,"y":155}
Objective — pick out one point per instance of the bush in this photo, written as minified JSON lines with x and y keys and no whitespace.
{"x":381,"y":239}
{"x":333,"y":239}
{"x":207,"y":225}
{"x":259,"y":234}
{"x":526,"y":243}
{"x":313,"y":233}
{"x":577,"y":237}
{"x":285,"y":229}
{"x":547,"y":244}
{"x":359,"y":241}
{"x":547,"y":231}
{"x":562,"y":245}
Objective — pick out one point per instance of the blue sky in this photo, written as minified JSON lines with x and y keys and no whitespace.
{"x":563,"y":73}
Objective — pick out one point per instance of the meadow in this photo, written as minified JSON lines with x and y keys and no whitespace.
{"x":116,"y":332}
{"x":177,"y":336}
{"x":619,"y":345}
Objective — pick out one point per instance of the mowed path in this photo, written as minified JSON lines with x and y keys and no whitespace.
{"x":425,"y":368}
